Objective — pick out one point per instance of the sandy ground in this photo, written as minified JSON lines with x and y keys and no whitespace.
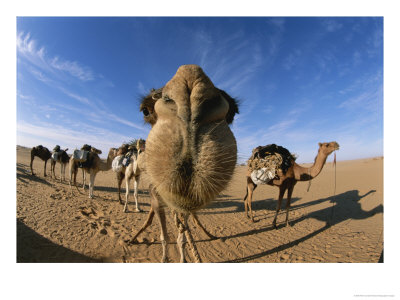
{"x":55,"y":226}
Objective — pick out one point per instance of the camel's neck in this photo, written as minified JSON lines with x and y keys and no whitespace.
{"x":305,"y":174}
{"x":105,"y":166}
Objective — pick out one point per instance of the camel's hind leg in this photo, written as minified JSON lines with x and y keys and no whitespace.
{"x":91,"y":184}
{"x":120,"y":177}
{"x":251,"y":186}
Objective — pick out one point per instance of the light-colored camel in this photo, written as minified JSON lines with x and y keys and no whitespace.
{"x":132,"y":171}
{"x":190,"y":151}
{"x":43,"y":153}
{"x":288,"y":180}
{"x":63,"y":159}
{"x":92,"y":166}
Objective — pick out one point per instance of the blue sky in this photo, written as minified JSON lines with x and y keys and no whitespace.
{"x":299,"y":80}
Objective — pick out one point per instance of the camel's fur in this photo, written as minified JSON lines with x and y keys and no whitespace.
{"x":96,"y":165}
{"x":190,"y":151}
{"x":288,"y":180}
{"x":63,"y":159}
{"x":43,"y":153}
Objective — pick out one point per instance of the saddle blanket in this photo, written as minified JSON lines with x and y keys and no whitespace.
{"x":119,"y":162}
{"x":80,"y":155}
{"x":262,"y":176}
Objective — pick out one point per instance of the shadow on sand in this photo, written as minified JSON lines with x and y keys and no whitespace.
{"x":25,"y":176}
{"x":347,"y":207}
{"x":32,"y":247}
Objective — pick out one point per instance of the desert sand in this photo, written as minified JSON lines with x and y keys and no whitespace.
{"x":55,"y":226}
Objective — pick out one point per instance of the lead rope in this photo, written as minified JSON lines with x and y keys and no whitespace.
{"x":334,"y":192}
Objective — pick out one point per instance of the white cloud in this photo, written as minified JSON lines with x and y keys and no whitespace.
{"x":73,"y":68}
{"x":27,"y":48}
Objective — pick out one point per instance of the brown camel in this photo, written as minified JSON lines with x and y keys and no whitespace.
{"x":287,"y":181}
{"x":61,"y":157}
{"x":43,"y":153}
{"x":132,"y":171}
{"x":190,"y":151}
{"x":92,"y":165}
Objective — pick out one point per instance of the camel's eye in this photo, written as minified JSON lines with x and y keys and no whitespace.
{"x":146,"y":112}
{"x":167,"y":99}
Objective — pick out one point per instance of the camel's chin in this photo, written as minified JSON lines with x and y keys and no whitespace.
{"x":186,"y":177}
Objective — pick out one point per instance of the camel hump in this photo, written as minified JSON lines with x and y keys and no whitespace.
{"x":57,"y":148}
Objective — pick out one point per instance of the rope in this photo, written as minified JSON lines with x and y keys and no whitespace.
{"x":334,"y":190}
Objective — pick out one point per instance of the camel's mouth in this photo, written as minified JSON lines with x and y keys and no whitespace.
{"x":336,"y":146}
{"x":189,"y":176}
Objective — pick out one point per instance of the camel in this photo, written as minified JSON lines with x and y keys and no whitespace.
{"x":92,"y":166}
{"x":190,"y":151}
{"x":288,"y":180}
{"x":62,"y":157}
{"x":133,"y":170}
{"x":43,"y":153}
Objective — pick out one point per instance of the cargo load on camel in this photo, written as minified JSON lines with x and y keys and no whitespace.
{"x":265,"y":161}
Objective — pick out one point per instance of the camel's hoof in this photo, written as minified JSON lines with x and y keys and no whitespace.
{"x":125,"y":210}
{"x":137,"y":210}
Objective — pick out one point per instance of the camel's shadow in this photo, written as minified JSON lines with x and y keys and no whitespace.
{"x":25,"y":176}
{"x":32,"y":247}
{"x":347,"y":207}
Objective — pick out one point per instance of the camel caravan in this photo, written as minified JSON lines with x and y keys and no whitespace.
{"x":190,"y":156}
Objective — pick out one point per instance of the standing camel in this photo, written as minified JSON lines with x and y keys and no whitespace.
{"x":92,"y":166}
{"x":62,"y":157}
{"x":132,"y":171}
{"x":190,"y":150}
{"x":43,"y":153}
{"x":287,"y":181}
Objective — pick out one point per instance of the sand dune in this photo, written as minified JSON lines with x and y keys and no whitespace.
{"x":54,"y":226}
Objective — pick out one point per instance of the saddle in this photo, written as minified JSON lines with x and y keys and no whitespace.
{"x":265,"y":161}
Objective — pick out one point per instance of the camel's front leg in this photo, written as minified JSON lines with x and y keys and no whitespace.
{"x":135,"y":192}
{"x":45,"y":163}
{"x":160,"y":213}
{"x":278,"y":206}
{"x":32,"y":158}
{"x":289,"y":198}
{"x":84,"y":179}
{"x":180,"y":241}
{"x":144,"y":226}
{"x":127,"y":179}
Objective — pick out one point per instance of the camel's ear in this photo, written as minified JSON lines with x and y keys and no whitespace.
{"x":147,"y":106}
{"x":233,"y":106}
{"x":320,"y":144}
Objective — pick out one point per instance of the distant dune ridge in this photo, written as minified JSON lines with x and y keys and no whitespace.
{"x":53,"y":226}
